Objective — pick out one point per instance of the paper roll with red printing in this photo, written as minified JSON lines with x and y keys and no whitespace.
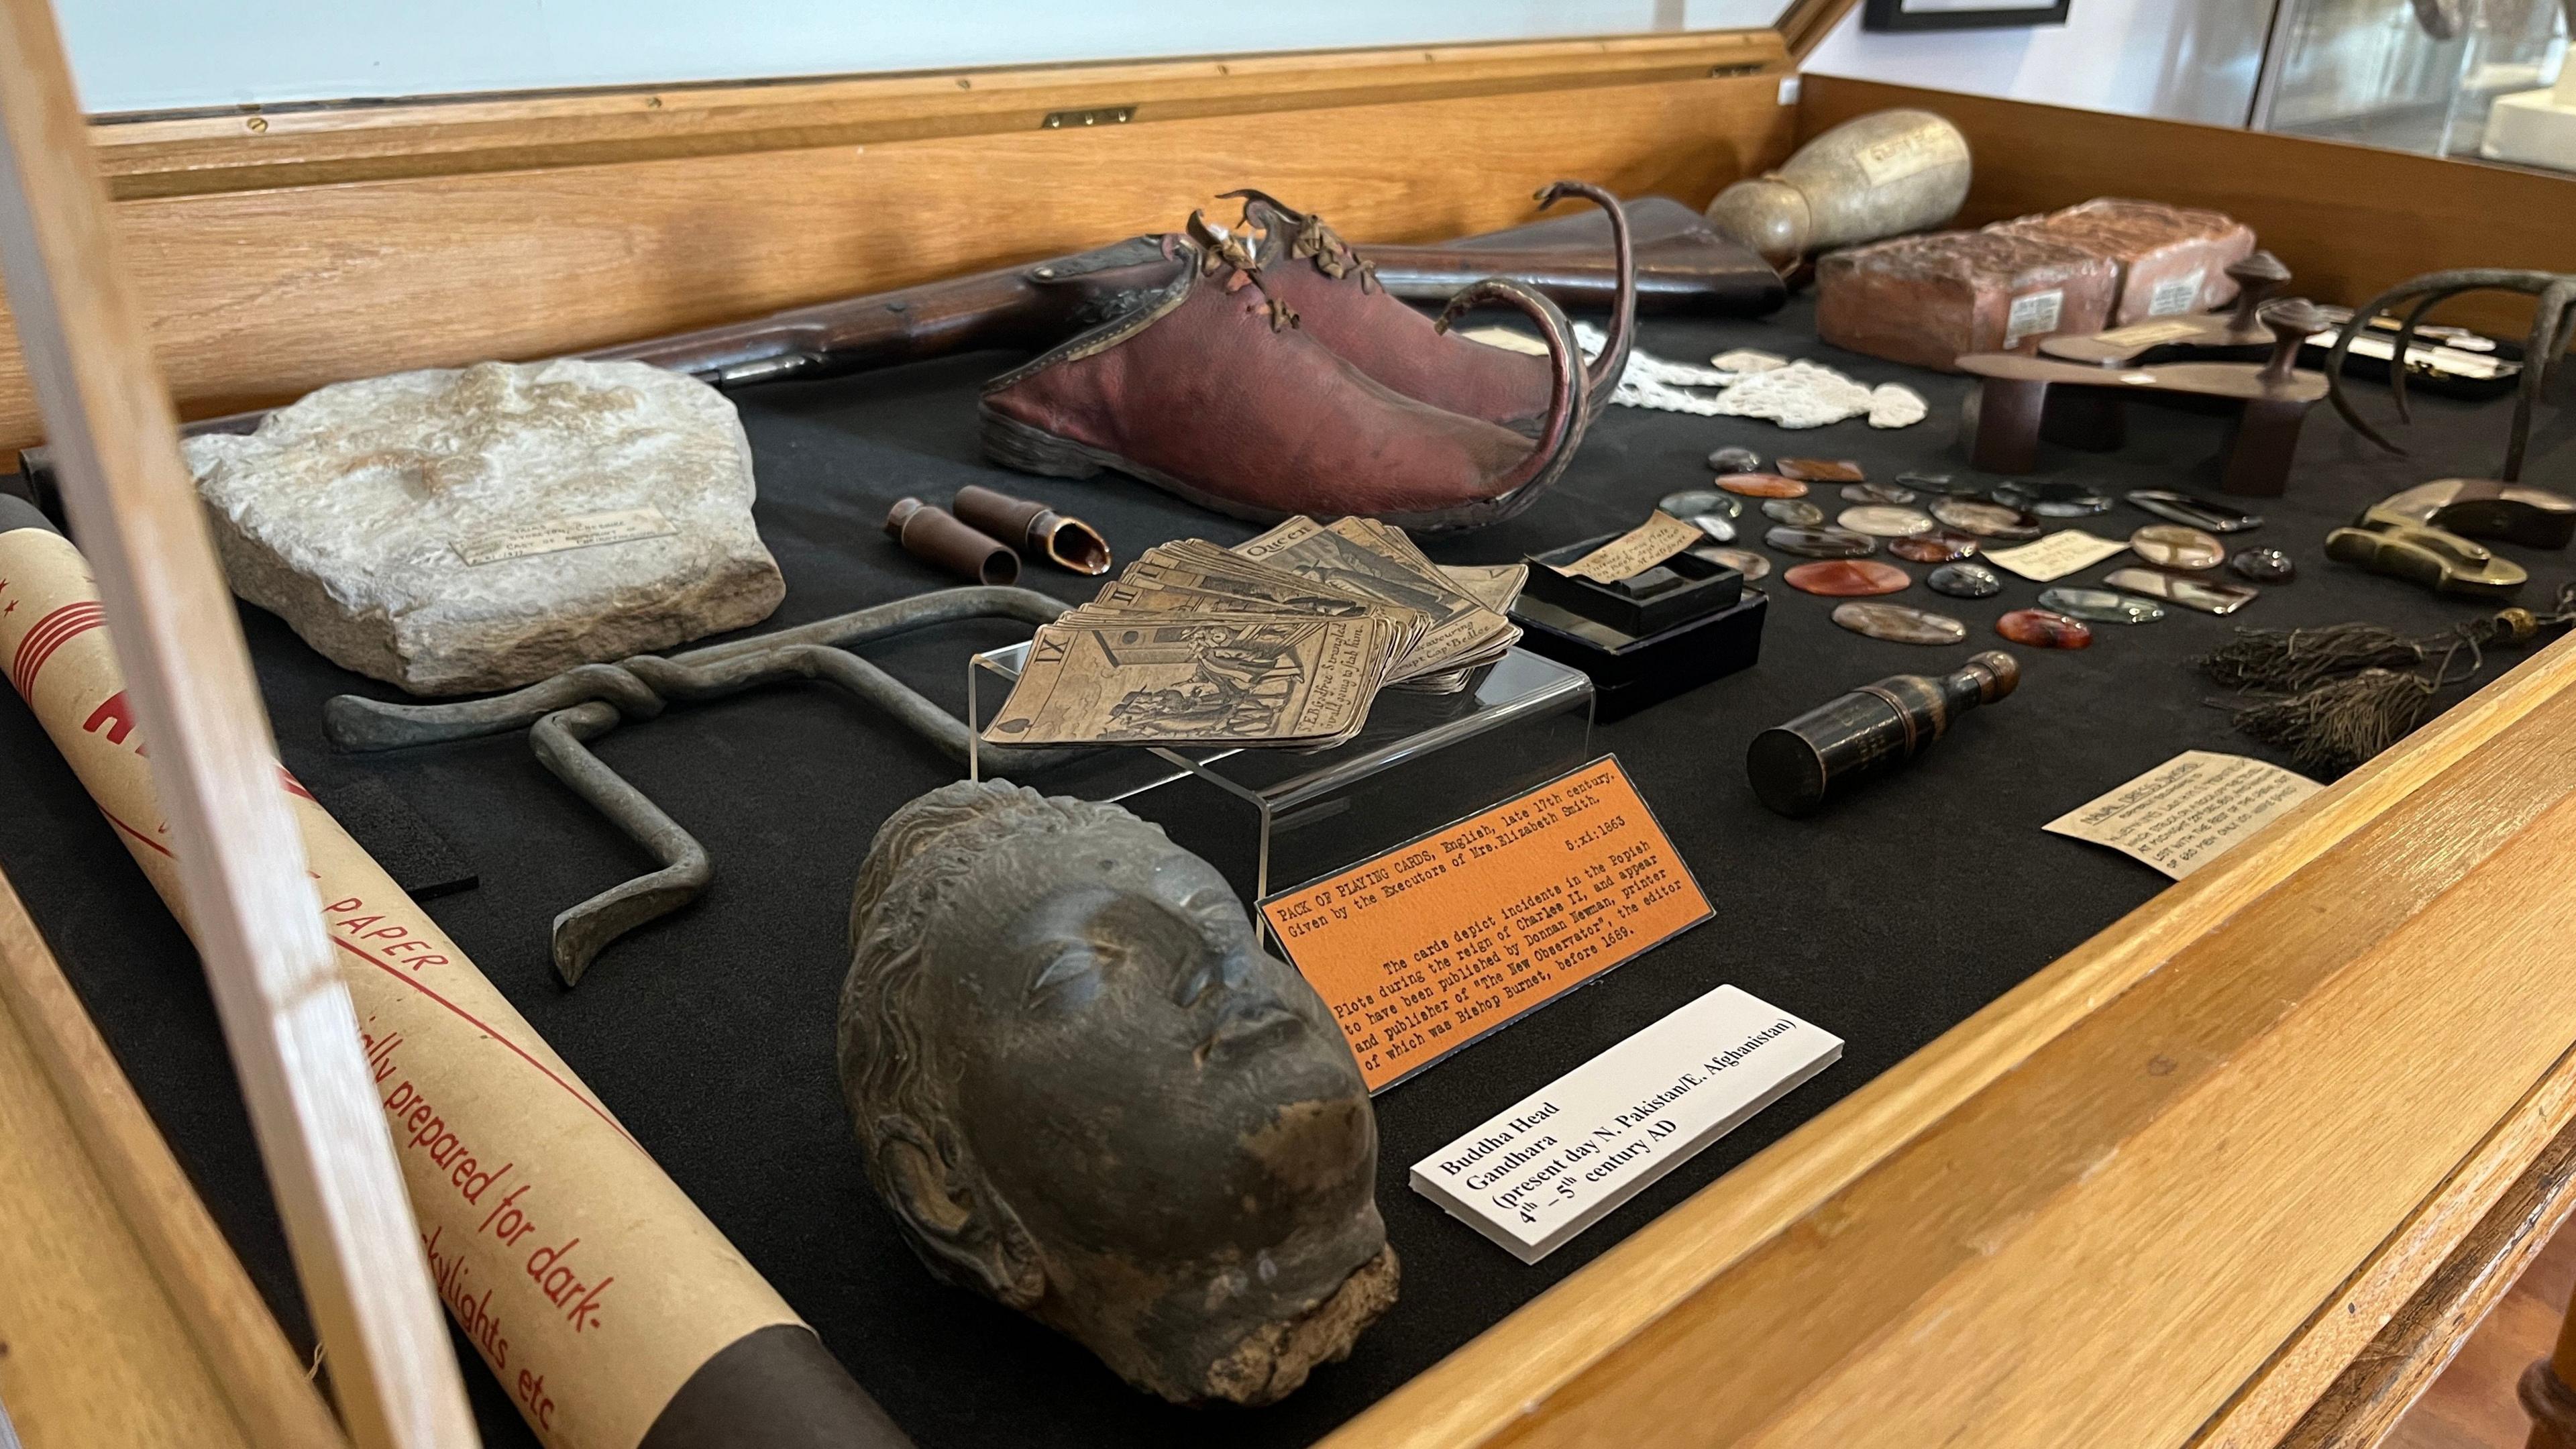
{"x":591,"y":1285}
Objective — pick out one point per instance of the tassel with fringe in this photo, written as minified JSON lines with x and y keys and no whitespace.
{"x":2338,"y":695}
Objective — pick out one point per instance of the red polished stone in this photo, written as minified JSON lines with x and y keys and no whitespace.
{"x":2041,"y":629}
{"x":1822,"y":470}
{"x":1762,"y":485}
{"x":1847,"y":578}
{"x":1941,"y":545}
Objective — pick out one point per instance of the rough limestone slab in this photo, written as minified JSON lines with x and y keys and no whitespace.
{"x":455,"y":531}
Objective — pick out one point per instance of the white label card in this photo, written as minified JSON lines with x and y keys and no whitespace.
{"x":1559,"y":1159}
{"x":575,"y":530}
{"x":2180,"y":294}
{"x":2056,"y":556}
{"x":2148,"y":333}
{"x":2186,"y":812}
{"x":2033,"y":315}
{"x":1905,"y":155}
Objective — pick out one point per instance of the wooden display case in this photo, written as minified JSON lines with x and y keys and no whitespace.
{"x":2239,"y":1171}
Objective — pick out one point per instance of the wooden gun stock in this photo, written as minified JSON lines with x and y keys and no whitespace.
{"x":1682,"y":268}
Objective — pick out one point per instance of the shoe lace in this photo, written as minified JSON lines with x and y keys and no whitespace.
{"x":1221,"y":250}
{"x":1333,"y":256}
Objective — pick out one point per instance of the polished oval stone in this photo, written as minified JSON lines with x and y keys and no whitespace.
{"x":1876,"y":493}
{"x":2051,"y":499}
{"x":1964,"y":581}
{"x":1821,"y":542}
{"x":2210,"y":596}
{"x":1822,"y":470}
{"x":1886,"y":520}
{"x":1763,"y":485}
{"x":2101,"y":606}
{"x":1712,"y":527}
{"x":2193,"y":512}
{"x":1692,"y":502}
{"x":2041,"y":629}
{"x":1847,"y":578}
{"x":2263,"y":565}
{"x":1743,"y":560}
{"x":2173,"y":546}
{"x":1950,"y":483}
{"x":1735,"y":460}
{"x":1796,"y":512}
{"x":1985,"y":520}
{"x":1939,"y":546}
{"x":1898,"y":624}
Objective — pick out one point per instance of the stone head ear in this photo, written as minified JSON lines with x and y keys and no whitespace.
{"x":950,"y":1214}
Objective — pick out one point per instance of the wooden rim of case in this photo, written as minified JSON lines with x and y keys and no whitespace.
{"x":2226,"y":1174}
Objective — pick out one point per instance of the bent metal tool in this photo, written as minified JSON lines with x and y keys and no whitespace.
{"x":563,"y":714}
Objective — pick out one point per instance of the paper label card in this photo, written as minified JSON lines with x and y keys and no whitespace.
{"x":1909,"y":154}
{"x":2056,"y":556}
{"x":2033,"y":315}
{"x":1506,"y":339}
{"x":2186,"y":812}
{"x":1634,"y":552}
{"x":573,"y":530}
{"x":2147,"y":333}
{"x":1558,"y":1160}
{"x":2179,"y":294}
{"x":1454,"y":934}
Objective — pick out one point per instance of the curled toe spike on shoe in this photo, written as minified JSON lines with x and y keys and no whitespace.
{"x":1334,"y":292}
{"x":1199,"y":388}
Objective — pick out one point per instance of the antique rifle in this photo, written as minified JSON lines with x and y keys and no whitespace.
{"x":1682,"y":268}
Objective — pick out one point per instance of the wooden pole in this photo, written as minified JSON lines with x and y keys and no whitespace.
{"x":250,"y":905}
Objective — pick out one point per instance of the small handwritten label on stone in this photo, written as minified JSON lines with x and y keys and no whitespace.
{"x":1561,"y":1158}
{"x":2032,"y":315}
{"x":2059,"y":554}
{"x":579,"y":530}
{"x":2176,"y":296}
{"x":2186,"y":812}
{"x":1908,"y":154}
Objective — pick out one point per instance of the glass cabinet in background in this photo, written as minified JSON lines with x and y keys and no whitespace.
{"x":2469,"y":78}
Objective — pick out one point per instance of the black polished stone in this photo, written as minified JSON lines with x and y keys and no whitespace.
{"x":1964,"y":581}
{"x":2051,"y":498}
{"x":1821,"y":542}
{"x":1950,"y":483}
{"x":1692,"y":502}
{"x":2263,"y":565}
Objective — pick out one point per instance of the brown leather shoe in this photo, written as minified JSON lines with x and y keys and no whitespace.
{"x":1337,"y":299}
{"x":1207,"y":387}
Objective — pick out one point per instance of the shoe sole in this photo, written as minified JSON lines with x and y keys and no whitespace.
{"x":1026,"y":449}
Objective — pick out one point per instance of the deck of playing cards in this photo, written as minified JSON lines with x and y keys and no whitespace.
{"x":1284,"y":641}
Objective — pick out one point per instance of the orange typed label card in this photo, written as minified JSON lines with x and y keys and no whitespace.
{"x":1441,"y":940}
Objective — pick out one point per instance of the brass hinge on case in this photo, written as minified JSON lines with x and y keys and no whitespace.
{"x":1722,"y":71}
{"x":1097,"y":116}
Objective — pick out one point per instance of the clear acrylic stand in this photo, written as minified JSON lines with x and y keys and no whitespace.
{"x":1275,"y":819}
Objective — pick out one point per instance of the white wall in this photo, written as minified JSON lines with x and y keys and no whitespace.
{"x":132,"y":55}
{"x":2190,"y":60}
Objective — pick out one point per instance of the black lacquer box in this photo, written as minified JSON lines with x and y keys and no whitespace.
{"x":1644,"y":640}
{"x":1680,"y":588}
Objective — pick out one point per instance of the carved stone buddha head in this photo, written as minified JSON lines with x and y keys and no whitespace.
{"x":1086,"y":1091}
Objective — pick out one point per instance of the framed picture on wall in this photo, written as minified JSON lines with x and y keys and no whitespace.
{"x":1960,"y":14}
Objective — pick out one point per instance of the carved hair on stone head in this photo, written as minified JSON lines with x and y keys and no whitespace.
{"x":984,"y":1246}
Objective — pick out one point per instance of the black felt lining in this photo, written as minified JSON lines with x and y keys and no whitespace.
{"x":1888,"y":919}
